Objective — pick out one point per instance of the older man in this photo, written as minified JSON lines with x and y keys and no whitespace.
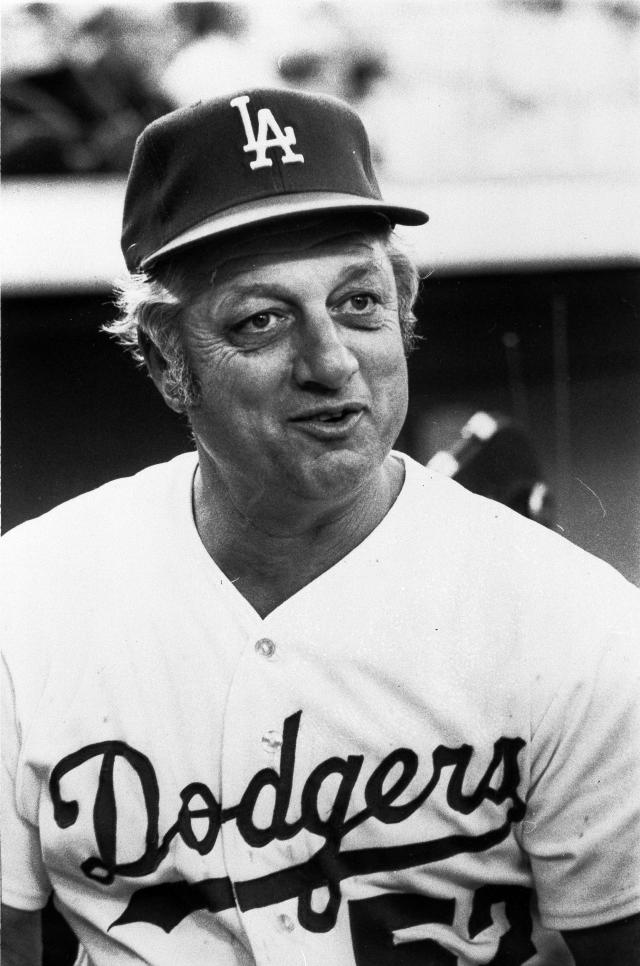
{"x":290,"y":698}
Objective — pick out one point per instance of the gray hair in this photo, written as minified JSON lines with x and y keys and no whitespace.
{"x":152,"y":307}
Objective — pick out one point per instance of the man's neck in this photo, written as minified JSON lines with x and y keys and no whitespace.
{"x":268,"y":561}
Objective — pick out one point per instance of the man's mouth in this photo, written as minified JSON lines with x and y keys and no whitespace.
{"x":333,"y":417}
{"x":329,"y":414}
{"x":330,"y":420}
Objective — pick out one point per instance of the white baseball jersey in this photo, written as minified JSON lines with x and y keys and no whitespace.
{"x":428,"y":754}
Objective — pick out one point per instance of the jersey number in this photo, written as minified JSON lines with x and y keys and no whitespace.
{"x":374,"y":921}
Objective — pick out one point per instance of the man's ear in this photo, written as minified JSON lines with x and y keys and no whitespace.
{"x":158,"y":369}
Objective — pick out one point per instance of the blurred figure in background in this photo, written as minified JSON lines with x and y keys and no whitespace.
{"x":220,"y":54}
{"x":494,"y":457}
{"x":77,"y":92}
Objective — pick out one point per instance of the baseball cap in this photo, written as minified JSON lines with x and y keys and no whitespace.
{"x":242,"y":159}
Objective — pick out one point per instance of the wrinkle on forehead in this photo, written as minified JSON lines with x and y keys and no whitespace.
{"x":352,"y":248}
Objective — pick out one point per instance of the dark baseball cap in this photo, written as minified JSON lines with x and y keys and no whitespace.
{"x":244,"y":159}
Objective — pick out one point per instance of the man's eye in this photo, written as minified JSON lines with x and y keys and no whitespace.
{"x":258,"y":329}
{"x":260,"y":321}
{"x":361,"y":302}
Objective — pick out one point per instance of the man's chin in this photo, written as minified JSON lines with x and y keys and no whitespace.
{"x":338,"y":475}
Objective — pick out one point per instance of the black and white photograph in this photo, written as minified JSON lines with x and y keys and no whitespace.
{"x":320,"y":556}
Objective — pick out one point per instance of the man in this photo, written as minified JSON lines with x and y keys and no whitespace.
{"x":290,"y":698}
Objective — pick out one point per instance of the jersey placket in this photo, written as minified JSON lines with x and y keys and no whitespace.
{"x":261,"y":701}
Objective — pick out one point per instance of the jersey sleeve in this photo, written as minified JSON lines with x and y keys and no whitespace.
{"x":25,"y":884}
{"x":582,"y":827}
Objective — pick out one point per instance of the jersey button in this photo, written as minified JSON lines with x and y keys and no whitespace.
{"x":286,"y":923}
{"x":265,"y":647}
{"x":271,"y":742}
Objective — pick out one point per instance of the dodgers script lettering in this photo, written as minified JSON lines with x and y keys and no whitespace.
{"x":380,"y":789}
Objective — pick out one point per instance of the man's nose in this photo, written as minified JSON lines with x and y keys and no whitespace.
{"x":323,"y":357}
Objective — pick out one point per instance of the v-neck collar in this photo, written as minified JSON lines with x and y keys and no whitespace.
{"x":187,"y":533}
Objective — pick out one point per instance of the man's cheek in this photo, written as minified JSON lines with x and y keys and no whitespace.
{"x":392,"y":368}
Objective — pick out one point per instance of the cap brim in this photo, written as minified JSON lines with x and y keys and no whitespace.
{"x":283,"y":206}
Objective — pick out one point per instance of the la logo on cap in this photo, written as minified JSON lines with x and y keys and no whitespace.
{"x":261,"y":143}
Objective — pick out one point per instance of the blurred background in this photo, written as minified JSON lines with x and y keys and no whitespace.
{"x":514,"y":123}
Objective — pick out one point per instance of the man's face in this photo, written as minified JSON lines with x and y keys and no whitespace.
{"x":298,"y":352}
